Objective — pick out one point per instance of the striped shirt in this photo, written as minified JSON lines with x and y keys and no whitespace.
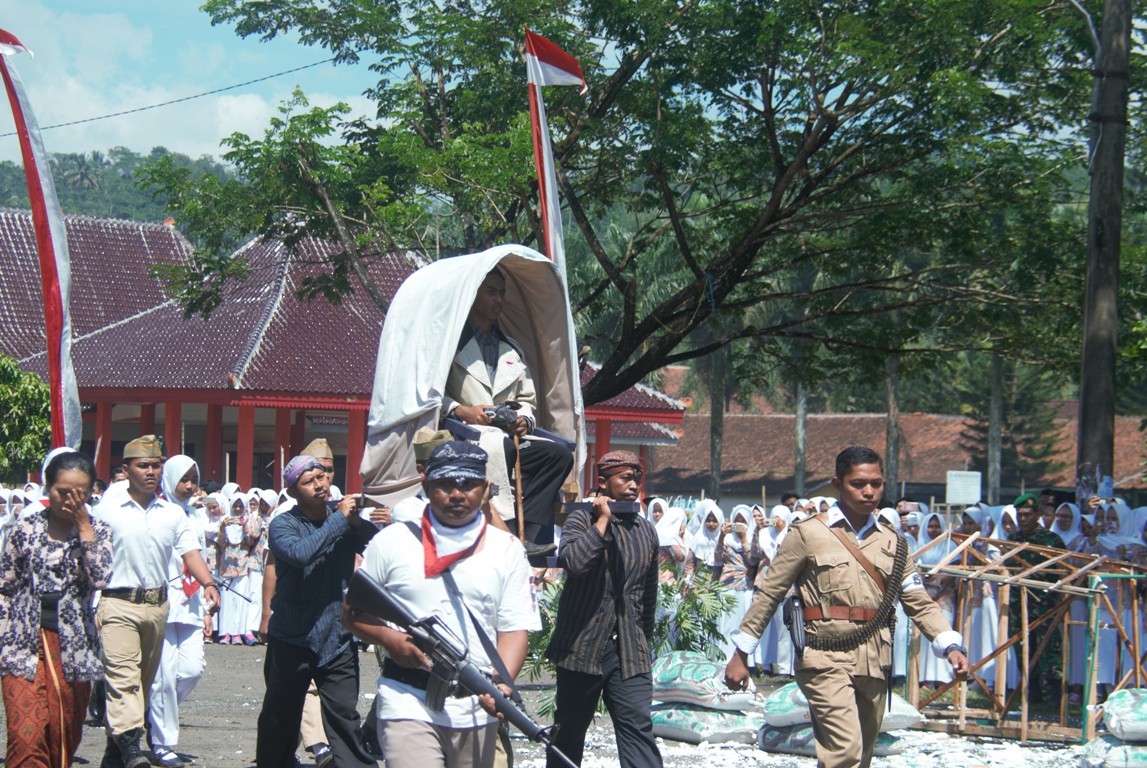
{"x":598,"y":568}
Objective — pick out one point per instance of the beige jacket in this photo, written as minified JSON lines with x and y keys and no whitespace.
{"x":469,"y":381}
{"x":469,"y":384}
{"x":825,"y":573}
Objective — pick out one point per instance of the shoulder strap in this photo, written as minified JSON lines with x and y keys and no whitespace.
{"x":487,"y":643}
{"x":865,"y":563}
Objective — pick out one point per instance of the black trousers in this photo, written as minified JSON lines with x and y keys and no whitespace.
{"x":545,"y":466}
{"x":628,"y":700}
{"x":288,"y":671}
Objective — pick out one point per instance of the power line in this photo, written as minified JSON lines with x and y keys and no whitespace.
{"x":178,"y":101}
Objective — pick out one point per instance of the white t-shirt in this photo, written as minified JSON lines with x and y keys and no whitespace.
{"x":143,"y":540}
{"x":497,"y":584}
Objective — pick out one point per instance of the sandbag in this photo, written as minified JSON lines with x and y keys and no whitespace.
{"x":799,"y":740}
{"x":684,"y":677}
{"x":788,"y":706}
{"x":1125,"y":714}
{"x":1110,"y":752}
{"x":693,"y":725}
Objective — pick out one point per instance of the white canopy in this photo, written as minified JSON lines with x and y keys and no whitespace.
{"x":420,"y":338}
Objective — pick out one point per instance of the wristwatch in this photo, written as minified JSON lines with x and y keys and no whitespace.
{"x":954,"y":647}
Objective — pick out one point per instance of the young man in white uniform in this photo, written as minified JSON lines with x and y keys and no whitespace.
{"x":133,"y":607}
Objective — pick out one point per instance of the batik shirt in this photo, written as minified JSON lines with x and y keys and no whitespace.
{"x":34,"y":563}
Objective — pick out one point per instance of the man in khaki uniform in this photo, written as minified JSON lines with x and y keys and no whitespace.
{"x":846,"y":688}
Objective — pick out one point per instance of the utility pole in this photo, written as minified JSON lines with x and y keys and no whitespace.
{"x":1096,"y":446}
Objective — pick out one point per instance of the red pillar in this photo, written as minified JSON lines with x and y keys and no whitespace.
{"x":245,"y":450}
{"x":643,"y":454}
{"x":104,"y":440}
{"x":298,"y":434}
{"x":173,"y":427}
{"x":282,"y":443}
{"x":147,"y":419}
{"x":602,"y":433}
{"x":355,"y":446}
{"x":212,"y":466}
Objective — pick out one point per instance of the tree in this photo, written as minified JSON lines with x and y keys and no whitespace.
{"x":25,"y":421}
{"x":1029,"y":432}
{"x":752,"y":140}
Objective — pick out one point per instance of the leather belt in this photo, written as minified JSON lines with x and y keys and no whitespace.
{"x":839,"y":613}
{"x":415,"y":678}
{"x":156,"y":596}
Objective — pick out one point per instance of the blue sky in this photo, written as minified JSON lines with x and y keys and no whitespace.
{"x":95,"y":57}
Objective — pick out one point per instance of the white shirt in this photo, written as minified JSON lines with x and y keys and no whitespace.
{"x":497,"y":584}
{"x":143,"y":540}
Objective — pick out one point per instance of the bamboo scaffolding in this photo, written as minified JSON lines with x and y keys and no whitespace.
{"x":1069,"y":576}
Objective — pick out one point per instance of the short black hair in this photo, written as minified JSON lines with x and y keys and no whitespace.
{"x":72,"y":461}
{"x":496,"y":271}
{"x":855,"y":455}
{"x":211,"y":486}
{"x":788,"y":495}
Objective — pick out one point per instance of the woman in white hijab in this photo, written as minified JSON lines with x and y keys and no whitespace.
{"x":1068,"y":525}
{"x":655,"y":509}
{"x":238,"y":533}
{"x":984,"y":607}
{"x":267,"y":500}
{"x":736,"y":540}
{"x":671,"y":543}
{"x":707,"y":536}
{"x":182,"y":663}
{"x":775,"y":651}
{"x":1116,"y":538}
{"x":933,"y":671}
{"x":891,"y":518}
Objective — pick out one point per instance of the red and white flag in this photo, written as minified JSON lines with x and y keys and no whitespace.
{"x":52,"y":246}
{"x":547,"y":64}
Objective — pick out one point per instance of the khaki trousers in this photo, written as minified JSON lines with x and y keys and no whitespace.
{"x":846,"y":711}
{"x":415,"y":744}
{"x":132,"y":637}
{"x":311,"y":729}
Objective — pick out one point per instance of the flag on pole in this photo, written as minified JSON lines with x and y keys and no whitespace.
{"x":52,"y":246}
{"x":547,"y":64}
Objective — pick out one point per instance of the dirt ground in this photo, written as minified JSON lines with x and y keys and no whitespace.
{"x":218,"y":730}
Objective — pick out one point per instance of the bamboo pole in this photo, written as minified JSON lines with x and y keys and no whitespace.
{"x":1025,"y":665}
{"x":1002,"y":631}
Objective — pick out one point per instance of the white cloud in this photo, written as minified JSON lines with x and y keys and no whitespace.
{"x":89,"y":64}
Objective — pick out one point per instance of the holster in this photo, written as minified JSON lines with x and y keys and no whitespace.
{"x":793,"y":615}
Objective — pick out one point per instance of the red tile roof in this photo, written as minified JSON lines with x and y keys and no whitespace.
{"x":635,"y":433}
{"x":110,"y":279}
{"x":262,"y":335}
{"x":637,"y":397}
{"x":758,"y":448}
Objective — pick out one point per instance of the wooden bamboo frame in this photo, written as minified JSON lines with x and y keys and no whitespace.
{"x":1070,"y":576}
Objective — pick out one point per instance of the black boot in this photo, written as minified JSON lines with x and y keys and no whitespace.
{"x":112,"y":756}
{"x":128,"y":743}
{"x":533,"y":547}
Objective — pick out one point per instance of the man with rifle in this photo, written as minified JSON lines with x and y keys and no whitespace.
{"x":469,"y":580}
{"x":849,"y":570}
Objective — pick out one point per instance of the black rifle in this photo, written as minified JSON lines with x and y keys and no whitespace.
{"x":448,"y":657}
{"x":220,"y":584}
